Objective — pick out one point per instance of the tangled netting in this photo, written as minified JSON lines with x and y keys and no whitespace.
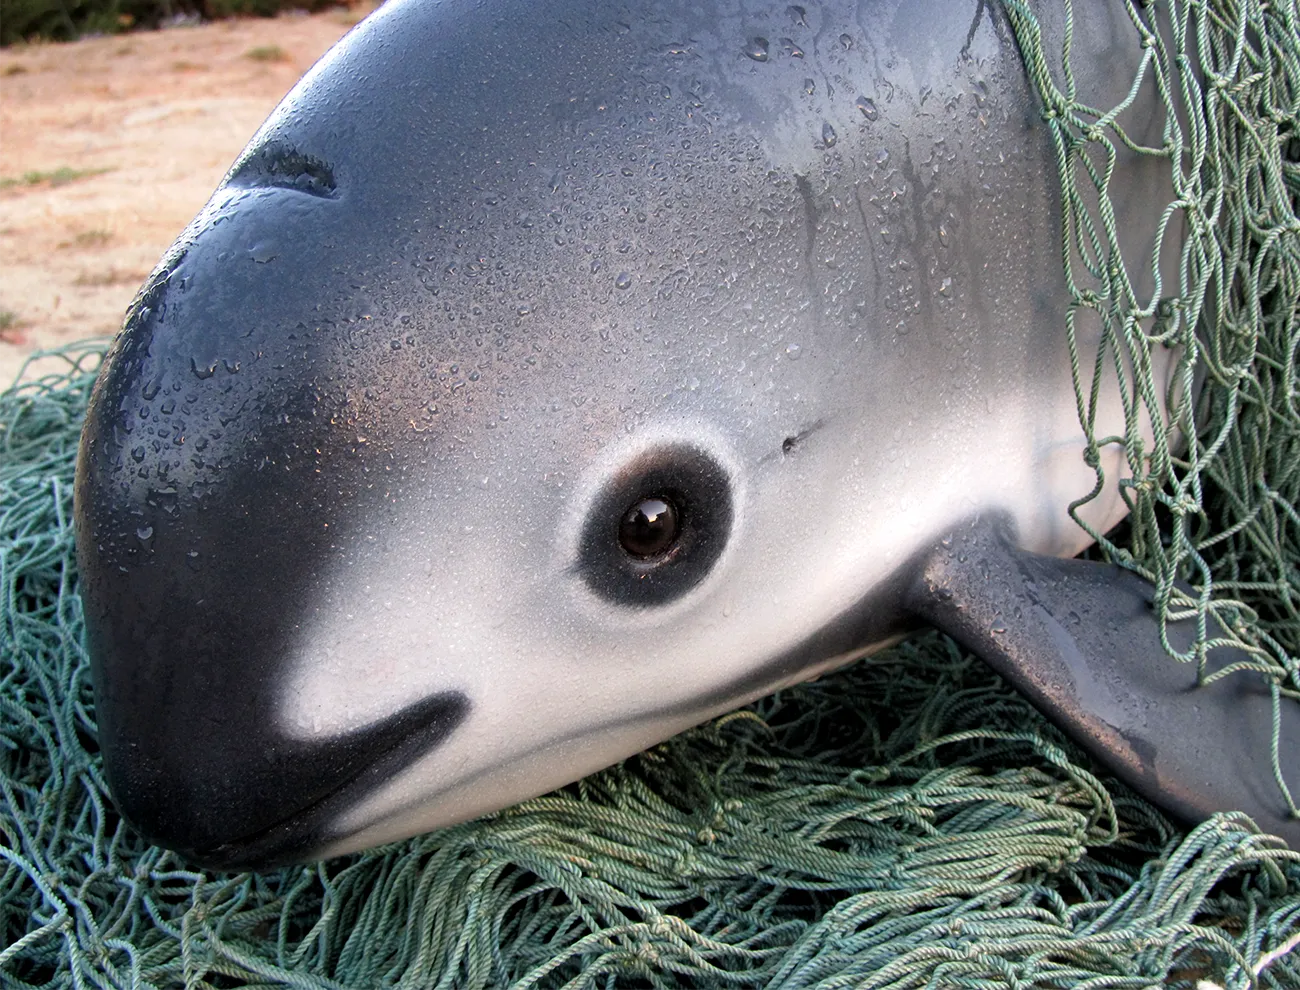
{"x":1220,"y":510}
{"x":907,"y":822}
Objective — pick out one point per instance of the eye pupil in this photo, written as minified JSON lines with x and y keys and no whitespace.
{"x":649,"y":527}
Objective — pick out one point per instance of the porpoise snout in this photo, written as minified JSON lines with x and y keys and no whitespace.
{"x":216,"y":472}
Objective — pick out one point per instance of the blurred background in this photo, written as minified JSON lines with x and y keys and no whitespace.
{"x":117,"y":120}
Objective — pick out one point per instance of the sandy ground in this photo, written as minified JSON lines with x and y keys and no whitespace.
{"x":136,"y":131}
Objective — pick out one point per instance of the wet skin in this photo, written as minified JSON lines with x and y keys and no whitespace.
{"x":354,"y":495}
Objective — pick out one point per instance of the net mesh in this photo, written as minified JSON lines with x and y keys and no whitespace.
{"x":1218,"y":511}
{"x":907,"y":822}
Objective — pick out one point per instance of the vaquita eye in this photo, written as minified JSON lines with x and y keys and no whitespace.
{"x":656,"y":527}
{"x":650,"y":527}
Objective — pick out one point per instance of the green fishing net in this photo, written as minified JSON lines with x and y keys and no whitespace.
{"x":1220,"y":510}
{"x":906,"y":822}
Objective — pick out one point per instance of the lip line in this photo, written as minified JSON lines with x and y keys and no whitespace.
{"x":290,"y":839}
{"x":696,"y":713}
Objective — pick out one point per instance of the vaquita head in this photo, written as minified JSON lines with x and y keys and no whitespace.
{"x":547,"y":377}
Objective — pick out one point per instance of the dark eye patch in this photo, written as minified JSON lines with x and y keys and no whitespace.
{"x":657,"y":527}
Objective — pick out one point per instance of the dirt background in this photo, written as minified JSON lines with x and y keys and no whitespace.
{"x":142,"y":127}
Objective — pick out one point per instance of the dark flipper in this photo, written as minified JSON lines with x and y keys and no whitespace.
{"x":1080,"y":640}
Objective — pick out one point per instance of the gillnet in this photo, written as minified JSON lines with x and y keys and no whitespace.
{"x":907,"y":822}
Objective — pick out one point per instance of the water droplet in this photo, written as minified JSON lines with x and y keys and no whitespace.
{"x":847,"y":41}
{"x":263,"y":252}
{"x":868,"y":107}
{"x":829,"y":136}
{"x":799,"y":14}
{"x":882,"y":156}
{"x":793,"y":352}
{"x":623,"y":281}
{"x":757,"y":49}
{"x":790,"y":48}
{"x":144,"y":533}
{"x":202,"y":371}
{"x":945,"y":287}
{"x":151,"y":390}
{"x":137,"y":454}
{"x":809,"y":86}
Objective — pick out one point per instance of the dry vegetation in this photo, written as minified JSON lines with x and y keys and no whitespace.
{"x":108,"y":147}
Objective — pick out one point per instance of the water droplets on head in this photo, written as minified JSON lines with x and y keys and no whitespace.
{"x":264,"y":252}
{"x":757,"y":49}
{"x":868,"y":107}
{"x":623,"y":281}
{"x":829,"y":137}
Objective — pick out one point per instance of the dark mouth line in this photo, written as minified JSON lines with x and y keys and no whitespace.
{"x":289,"y":839}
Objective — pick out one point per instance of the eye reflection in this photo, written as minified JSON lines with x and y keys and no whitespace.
{"x":656,"y":526}
{"x":649,"y":527}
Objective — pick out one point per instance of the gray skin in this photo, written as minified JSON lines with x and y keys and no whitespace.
{"x":352,"y":476}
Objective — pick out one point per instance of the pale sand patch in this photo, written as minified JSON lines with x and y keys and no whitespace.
{"x":153,"y":120}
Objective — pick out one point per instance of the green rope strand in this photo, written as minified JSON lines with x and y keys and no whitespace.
{"x":1221,"y":513}
{"x":906,"y":822}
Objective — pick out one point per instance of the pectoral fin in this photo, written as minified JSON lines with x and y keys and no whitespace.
{"x":1081,"y":641}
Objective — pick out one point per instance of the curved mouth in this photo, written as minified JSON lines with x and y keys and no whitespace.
{"x":302,"y":788}
{"x":298,"y":836}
